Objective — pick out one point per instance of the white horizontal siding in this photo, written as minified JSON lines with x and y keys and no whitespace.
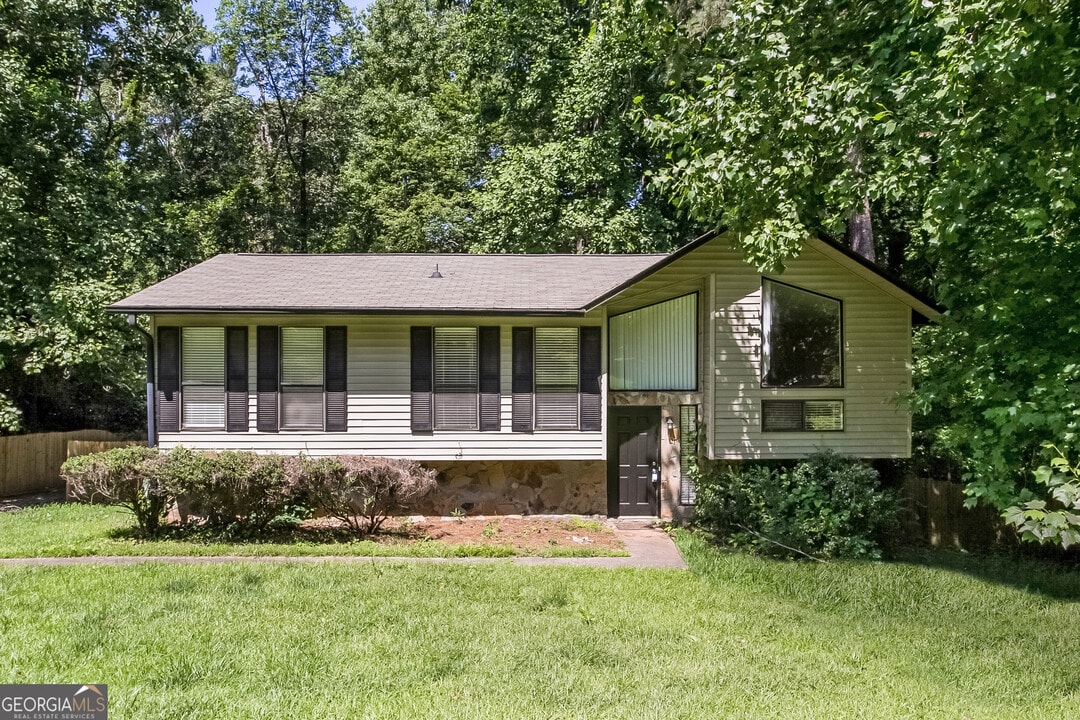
{"x":378,"y":398}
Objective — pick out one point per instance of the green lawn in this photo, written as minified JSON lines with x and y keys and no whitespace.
{"x":76,"y":530}
{"x":947,"y":636}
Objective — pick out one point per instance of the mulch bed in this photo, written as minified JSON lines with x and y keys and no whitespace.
{"x":524,"y":534}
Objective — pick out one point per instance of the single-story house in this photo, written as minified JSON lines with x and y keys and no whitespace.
{"x":536,"y":383}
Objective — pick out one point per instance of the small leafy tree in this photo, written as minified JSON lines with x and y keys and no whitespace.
{"x":363,"y":491}
{"x":1057,"y":520}
{"x":130,"y":477}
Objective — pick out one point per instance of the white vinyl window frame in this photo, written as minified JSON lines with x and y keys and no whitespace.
{"x":456,"y":378}
{"x":302,"y":378}
{"x":202,"y":378}
{"x":556,"y":379}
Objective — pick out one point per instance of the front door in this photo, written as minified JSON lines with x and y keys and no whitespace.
{"x":633,"y":454}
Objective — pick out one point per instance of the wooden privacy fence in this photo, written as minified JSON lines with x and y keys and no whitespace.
{"x":31,"y":463}
{"x":934,"y":514}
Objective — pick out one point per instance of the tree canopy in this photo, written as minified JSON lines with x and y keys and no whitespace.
{"x":939,"y":136}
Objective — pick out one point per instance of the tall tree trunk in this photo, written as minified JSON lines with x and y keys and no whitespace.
{"x":860,"y":227}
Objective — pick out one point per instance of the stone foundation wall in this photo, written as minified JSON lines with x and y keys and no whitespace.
{"x":519,"y":487}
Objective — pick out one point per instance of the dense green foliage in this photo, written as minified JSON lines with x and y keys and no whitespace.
{"x":134,"y":143}
{"x":957,"y":124}
{"x":826,"y":506}
{"x":1055,"y":519}
{"x":940,"y":135}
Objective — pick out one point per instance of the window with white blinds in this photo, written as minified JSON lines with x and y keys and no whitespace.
{"x":655,"y":347}
{"x":555,"y":373}
{"x":457,"y":372}
{"x":688,"y":453}
{"x":802,"y":415}
{"x":302,"y":378}
{"x":202,"y":373}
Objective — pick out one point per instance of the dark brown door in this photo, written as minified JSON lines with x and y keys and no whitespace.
{"x":633,"y":454}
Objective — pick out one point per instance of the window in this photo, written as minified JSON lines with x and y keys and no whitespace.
{"x":302,"y":378}
{"x":456,"y":378}
{"x":802,"y":415}
{"x":688,"y":450}
{"x":202,"y":378}
{"x":655,"y":347}
{"x":801,"y":338}
{"x":556,"y":378}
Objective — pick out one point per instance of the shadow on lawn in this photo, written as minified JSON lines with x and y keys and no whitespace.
{"x":1051,"y":574}
{"x":285,"y":534}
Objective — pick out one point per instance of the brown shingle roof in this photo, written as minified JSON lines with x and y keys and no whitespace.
{"x":397,"y":283}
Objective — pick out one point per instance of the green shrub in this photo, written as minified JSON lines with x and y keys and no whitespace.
{"x":363,"y":491}
{"x":232,"y":487}
{"x":828,"y":505}
{"x":130,"y":477}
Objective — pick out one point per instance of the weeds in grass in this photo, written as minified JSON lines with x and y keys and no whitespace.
{"x":588,"y":524}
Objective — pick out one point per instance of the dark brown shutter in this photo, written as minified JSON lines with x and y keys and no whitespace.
{"x":589,"y":378}
{"x":420,"y":383}
{"x":266,"y":381}
{"x":522,"y":380}
{"x":236,"y":379}
{"x":490,"y":390}
{"x":336,"y":379}
{"x":168,"y":379}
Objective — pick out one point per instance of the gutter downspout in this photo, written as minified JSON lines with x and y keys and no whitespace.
{"x":151,"y":439}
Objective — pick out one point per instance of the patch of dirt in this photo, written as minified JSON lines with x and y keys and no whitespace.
{"x":528,"y":536}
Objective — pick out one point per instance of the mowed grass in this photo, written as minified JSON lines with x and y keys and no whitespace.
{"x":76,"y":530}
{"x":943,"y":636}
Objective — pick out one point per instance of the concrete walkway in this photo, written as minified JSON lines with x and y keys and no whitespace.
{"x":649,"y":547}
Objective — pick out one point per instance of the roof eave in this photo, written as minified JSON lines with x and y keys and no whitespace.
{"x":917,"y":301}
{"x":280,"y":310}
{"x":659,"y":264}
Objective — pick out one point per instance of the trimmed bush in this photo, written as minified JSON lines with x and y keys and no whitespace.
{"x":131,"y":477}
{"x":829,"y":505}
{"x":363,"y":491}
{"x":232,"y":487}
{"x":246,"y":490}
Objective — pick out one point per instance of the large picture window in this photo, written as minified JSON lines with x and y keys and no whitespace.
{"x":801,"y":338}
{"x":302,"y":378}
{"x":556,"y":378}
{"x":202,"y":378}
{"x":456,"y":379}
